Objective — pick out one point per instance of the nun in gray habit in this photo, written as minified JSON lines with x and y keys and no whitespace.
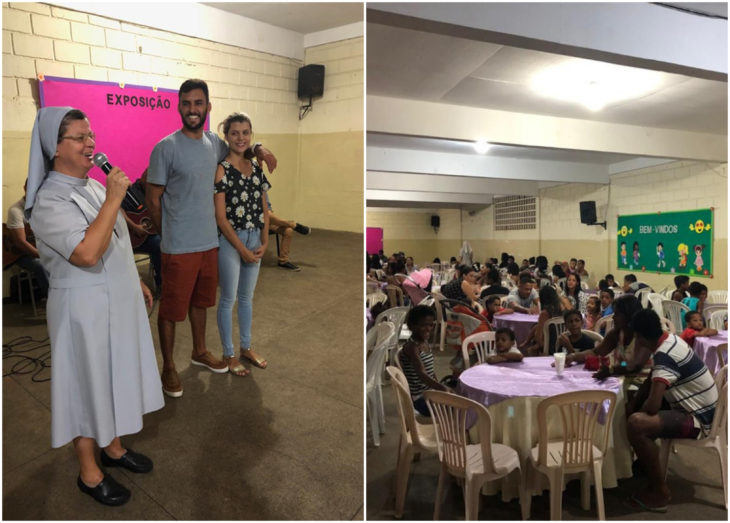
{"x":104,"y":373}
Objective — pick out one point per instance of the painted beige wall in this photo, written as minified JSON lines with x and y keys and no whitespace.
{"x":43,"y":39}
{"x":560,"y":235}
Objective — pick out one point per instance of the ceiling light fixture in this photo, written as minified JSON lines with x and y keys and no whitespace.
{"x":594,"y":84}
{"x":482,"y":146}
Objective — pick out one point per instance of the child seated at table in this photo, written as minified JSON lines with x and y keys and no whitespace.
{"x":551,"y":307}
{"x":506,"y":348}
{"x":593,"y":311}
{"x":493,"y":307}
{"x":416,"y":358}
{"x":574,"y":339}
{"x":696,"y":299}
{"x":695,"y":327}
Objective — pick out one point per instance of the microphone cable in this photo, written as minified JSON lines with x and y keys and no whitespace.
{"x":23,"y":349}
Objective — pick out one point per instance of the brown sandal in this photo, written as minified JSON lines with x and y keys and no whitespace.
{"x":261,"y":363}
{"x":236,"y":368}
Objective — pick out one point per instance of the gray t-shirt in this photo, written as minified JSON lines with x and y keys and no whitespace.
{"x":186,"y":167}
{"x":514,"y":297}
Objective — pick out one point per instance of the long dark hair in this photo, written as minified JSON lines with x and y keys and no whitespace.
{"x":577,"y":290}
{"x":549,"y":301}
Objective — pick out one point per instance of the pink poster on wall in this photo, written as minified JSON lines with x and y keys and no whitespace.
{"x":128,"y":119}
{"x":373,"y":239}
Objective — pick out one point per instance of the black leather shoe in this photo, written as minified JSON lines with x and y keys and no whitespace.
{"x":108,"y":492}
{"x":132,"y":461}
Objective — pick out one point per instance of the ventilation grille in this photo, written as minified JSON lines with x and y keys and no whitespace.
{"x":513,"y":213}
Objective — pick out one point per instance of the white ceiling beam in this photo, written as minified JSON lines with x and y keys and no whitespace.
{"x":388,"y":181}
{"x":483,"y":166}
{"x":455,"y":122}
{"x":625,"y":33}
{"x":428,"y":198}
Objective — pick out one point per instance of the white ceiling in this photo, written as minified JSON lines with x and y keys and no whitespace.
{"x":441,"y":68}
{"x":300,"y":17}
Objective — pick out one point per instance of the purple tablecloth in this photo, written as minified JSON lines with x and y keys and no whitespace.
{"x":489,"y":384}
{"x":705,"y":348}
{"x":519,"y":323}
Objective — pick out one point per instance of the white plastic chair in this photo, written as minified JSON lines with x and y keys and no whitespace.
{"x":373,"y":384}
{"x":395,"y":295}
{"x":717,"y":297}
{"x":475,"y":464}
{"x":717,"y":320}
{"x":560,"y":328}
{"x":375,"y":297}
{"x":709,"y":308}
{"x":484,"y":346}
{"x":643,"y":296}
{"x":655,"y":300}
{"x":605,"y":323}
{"x":674,"y":310}
{"x":440,"y":320}
{"x":715,"y":440}
{"x":575,"y":450}
{"x":414,"y":438}
{"x":667,"y":326}
{"x":396,"y":315}
{"x":721,"y":353}
{"x":593,"y":335}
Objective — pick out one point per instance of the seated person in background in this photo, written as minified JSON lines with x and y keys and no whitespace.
{"x":463,"y":288}
{"x":494,"y":282}
{"x":524,"y":298}
{"x":557,"y":272}
{"x":606,"y":298}
{"x":284,"y":228}
{"x":574,"y":339}
{"x":695,"y":327}
{"x":580,"y":269}
{"x":513,"y":272}
{"x":631,"y":285}
{"x":453,"y":262}
{"x":493,"y":307}
{"x":611,"y":281}
{"x":679,"y":377}
{"x":410,"y":266}
{"x":572,"y":266}
{"x":505,"y":346}
{"x":23,"y":242}
{"x":551,"y":307}
{"x":682,"y":283}
{"x":593,"y":311}
{"x":525,"y":265}
{"x":416,"y":358}
{"x":145,"y":239}
{"x":696,"y":299}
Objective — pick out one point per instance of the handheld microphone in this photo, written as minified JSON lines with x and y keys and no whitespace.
{"x":102,"y":162}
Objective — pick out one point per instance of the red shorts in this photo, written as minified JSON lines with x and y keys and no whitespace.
{"x":188,"y":279}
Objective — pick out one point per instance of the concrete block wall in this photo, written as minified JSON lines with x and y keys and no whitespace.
{"x":44,"y":39}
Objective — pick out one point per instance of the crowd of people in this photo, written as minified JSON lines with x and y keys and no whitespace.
{"x":209,"y":222}
{"x":675,"y":394}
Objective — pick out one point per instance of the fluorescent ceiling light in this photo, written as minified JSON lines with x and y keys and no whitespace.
{"x":482,"y":146}
{"x":594,"y":84}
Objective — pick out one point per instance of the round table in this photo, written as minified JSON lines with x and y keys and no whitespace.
{"x":519,"y":322}
{"x":511,"y":393}
{"x":704,"y":347}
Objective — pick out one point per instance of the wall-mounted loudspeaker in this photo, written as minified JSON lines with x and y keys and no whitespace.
{"x":588,"y":212}
{"x":435,"y":221}
{"x":311,"y":81}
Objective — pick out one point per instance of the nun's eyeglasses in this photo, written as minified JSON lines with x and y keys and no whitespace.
{"x":81,"y":138}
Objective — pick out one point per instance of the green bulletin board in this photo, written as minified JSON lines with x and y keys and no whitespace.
{"x":666,"y":242}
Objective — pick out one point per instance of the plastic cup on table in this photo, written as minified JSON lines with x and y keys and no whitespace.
{"x":559,"y":362}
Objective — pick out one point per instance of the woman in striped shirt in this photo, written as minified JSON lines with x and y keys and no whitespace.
{"x":416,"y":358}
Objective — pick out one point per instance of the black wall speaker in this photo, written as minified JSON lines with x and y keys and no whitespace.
{"x":435,"y":221}
{"x":311,"y":81}
{"x":588,"y":212}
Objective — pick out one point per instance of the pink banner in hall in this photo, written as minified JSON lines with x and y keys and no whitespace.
{"x":128,"y":119}
{"x":373,"y":239}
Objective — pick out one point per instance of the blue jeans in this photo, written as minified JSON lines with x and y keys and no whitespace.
{"x":236,"y":277}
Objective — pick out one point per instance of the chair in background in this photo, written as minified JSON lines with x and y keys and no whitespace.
{"x":440,"y":329}
{"x":415,"y":437}
{"x":721,"y":354}
{"x":474,"y":464}
{"x":371,"y":286}
{"x":605,"y":323}
{"x":717,"y":320}
{"x":483,"y":344}
{"x":395,"y":295}
{"x":667,"y":326}
{"x":24,"y":275}
{"x":373,"y":379}
{"x":654,"y":300}
{"x":396,"y":315}
{"x":715,"y":440}
{"x":508,"y":283}
{"x":558,"y":325}
{"x":575,"y":450}
{"x":674,"y":310}
{"x":717,"y":297}
{"x":643,"y":296}
{"x":709,"y":308}
{"x":375,"y":297}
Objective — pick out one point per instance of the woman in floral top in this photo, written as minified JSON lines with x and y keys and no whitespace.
{"x":243,"y":221}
